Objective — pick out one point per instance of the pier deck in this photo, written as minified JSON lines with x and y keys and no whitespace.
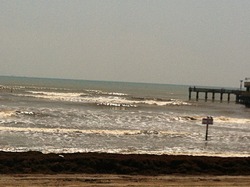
{"x":214,"y":91}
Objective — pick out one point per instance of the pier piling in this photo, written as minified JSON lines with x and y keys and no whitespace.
{"x":205,"y":96}
{"x":197,"y":96}
{"x":221,"y":96}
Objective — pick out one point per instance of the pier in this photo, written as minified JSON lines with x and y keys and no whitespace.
{"x":241,"y":96}
{"x":213,"y":91}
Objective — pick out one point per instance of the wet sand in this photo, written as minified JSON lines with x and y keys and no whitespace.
{"x":103,"y":169}
{"x":120,"y":180}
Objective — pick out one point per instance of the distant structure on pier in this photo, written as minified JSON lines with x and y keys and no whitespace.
{"x":241,"y":96}
{"x":244,"y":96}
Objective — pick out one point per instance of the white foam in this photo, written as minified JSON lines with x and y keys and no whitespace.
{"x":223,"y":119}
{"x":107,"y":93}
{"x":217,"y":119}
{"x":111,"y":98}
{"x":58,"y":132}
{"x":90,"y":131}
{"x":162,"y":103}
{"x":130,"y":150}
{"x":7,"y":113}
{"x":55,"y":95}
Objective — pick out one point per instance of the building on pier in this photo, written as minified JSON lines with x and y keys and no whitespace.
{"x":244,"y":97}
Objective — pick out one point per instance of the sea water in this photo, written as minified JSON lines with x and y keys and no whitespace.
{"x":67,"y":116}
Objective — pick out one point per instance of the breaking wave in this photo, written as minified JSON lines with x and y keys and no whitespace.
{"x":91,"y":131}
{"x":7,"y":113}
{"x":101,"y":98}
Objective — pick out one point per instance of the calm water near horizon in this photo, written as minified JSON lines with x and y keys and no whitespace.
{"x":59,"y":115}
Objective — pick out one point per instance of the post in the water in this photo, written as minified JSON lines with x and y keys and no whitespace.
{"x":208,"y":121}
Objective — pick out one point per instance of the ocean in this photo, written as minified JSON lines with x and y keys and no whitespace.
{"x":68,"y":116}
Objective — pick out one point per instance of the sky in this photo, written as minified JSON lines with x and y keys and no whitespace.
{"x":187,"y":42}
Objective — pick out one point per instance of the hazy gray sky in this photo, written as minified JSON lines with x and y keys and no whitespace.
{"x":193,"y":42}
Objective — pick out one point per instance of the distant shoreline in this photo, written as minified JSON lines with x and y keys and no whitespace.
{"x":126,"y":164}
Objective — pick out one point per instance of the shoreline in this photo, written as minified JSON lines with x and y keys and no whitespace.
{"x":122,"y":164}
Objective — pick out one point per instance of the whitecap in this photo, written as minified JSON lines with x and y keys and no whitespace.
{"x":7,"y":113}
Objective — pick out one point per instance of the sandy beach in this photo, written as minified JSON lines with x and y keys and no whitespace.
{"x":120,"y":180}
{"x":103,"y":169}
